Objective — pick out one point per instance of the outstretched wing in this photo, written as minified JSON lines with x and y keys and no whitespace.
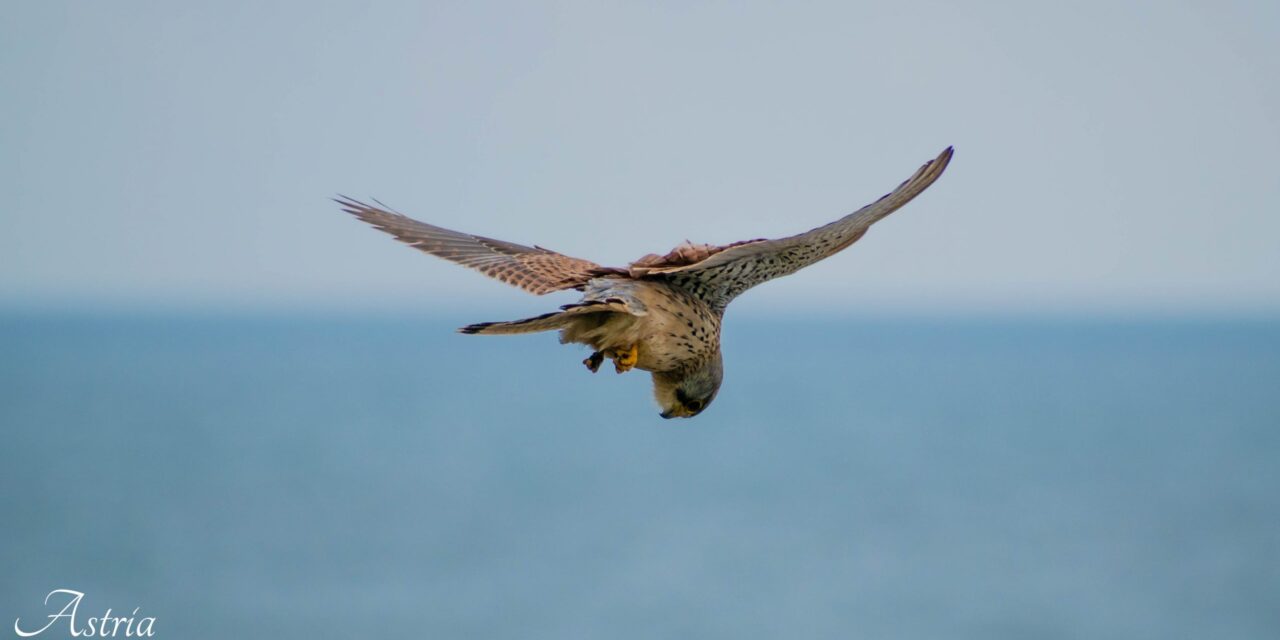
{"x":719,"y":274}
{"x":533,"y":269}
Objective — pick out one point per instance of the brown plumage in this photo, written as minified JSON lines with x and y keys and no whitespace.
{"x":533,"y":269}
{"x":661,"y":313}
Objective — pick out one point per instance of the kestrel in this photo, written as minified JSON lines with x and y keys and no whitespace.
{"x":660,"y":314}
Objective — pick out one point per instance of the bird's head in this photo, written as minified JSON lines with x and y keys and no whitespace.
{"x":684,"y":395}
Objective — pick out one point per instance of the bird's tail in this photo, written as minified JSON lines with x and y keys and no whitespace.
{"x":567,"y":315}
{"x":544,"y":322}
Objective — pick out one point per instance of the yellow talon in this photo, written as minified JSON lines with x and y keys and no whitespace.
{"x":624,"y":361}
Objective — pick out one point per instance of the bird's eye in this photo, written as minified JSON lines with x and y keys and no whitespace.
{"x":694,"y":405}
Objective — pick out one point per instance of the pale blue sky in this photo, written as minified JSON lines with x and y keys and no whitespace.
{"x":1110,"y":156}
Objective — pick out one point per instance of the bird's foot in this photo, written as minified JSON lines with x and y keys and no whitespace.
{"x":624,"y":361}
{"x":593,"y":361}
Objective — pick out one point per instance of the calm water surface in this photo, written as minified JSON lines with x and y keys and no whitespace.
{"x":307,"y":477}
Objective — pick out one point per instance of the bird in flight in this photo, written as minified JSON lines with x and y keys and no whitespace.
{"x":659,"y":314}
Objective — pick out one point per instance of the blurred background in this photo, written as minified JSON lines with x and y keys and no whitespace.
{"x":1041,"y":400}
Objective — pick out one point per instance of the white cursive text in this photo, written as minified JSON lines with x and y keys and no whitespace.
{"x":106,"y":626}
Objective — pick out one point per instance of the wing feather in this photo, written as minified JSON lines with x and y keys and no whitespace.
{"x":722,"y":273}
{"x":533,"y":269}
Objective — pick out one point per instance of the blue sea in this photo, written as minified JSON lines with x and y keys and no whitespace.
{"x":240,"y":476}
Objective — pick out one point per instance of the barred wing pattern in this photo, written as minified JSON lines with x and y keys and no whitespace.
{"x":728,"y":271}
{"x":533,"y":269}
